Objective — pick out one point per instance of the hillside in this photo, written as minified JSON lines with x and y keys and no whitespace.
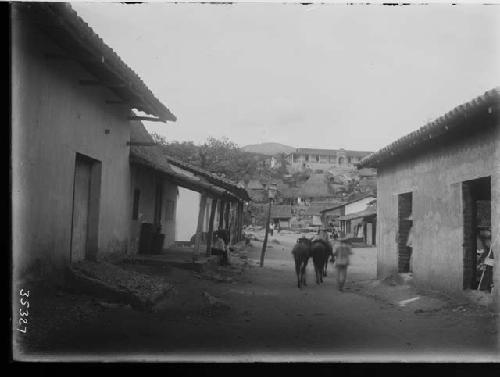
{"x":269,"y":149}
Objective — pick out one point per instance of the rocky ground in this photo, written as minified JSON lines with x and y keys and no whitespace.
{"x":245,"y":312}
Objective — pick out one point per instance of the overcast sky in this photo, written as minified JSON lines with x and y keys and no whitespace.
{"x":326,"y":76}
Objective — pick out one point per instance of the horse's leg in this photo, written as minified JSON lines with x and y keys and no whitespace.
{"x":297,"y":271}
{"x":303,"y":273}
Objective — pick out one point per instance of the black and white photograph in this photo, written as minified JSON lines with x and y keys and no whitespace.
{"x":250,"y":182}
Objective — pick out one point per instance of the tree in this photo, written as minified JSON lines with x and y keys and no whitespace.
{"x":185,"y":151}
{"x":220,"y":156}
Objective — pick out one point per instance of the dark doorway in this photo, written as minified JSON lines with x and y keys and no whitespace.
{"x":158,"y":201}
{"x":405,"y":223}
{"x":85,"y":214}
{"x":476,"y":197}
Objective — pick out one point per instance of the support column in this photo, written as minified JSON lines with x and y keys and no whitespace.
{"x":227,"y":210}
{"x":264,"y":244}
{"x":211,"y":225}
{"x":232,"y":226}
{"x":221,"y":213}
{"x":240,"y":222}
{"x":236,"y":222}
{"x":199,"y":228}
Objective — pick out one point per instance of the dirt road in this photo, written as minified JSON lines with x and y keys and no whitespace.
{"x":260,"y":314}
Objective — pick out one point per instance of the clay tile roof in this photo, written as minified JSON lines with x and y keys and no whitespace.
{"x":454,"y":121}
{"x":370,"y":211}
{"x":62,"y":24}
{"x":153,"y":156}
{"x":227,"y":184}
{"x":315,"y":209}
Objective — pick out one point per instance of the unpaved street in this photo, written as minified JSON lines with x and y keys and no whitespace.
{"x":259,"y":313}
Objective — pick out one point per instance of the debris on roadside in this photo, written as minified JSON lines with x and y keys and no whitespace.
{"x":110,"y":282}
{"x":214,"y":302}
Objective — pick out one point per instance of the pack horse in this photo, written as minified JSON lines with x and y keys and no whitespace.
{"x":301,"y":255}
{"x":320,"y":250}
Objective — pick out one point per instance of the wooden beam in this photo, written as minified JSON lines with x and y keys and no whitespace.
{"x":55,"y":56}
{"x":151,"y":119}
{"x":116,"y":102}
{"x":211,"y":225}
{"x":142,"y":143}
{"x":89,"y":59}
{"x":87,"y":82}
{"x":199,"y":228}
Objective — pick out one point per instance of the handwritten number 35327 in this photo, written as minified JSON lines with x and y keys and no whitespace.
{"x":21,"y":312}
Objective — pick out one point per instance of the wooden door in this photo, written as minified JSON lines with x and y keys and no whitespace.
{"x":81,"y":199}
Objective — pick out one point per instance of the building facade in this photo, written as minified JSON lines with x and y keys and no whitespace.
{"x":70,"y":160}
{"x":323,"y":159}
{"x":430,"y":186}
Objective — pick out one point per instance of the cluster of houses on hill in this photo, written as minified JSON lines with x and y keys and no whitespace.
{"x":436,"y":213}
{"x":87,"y":179}
{"x":323,"y":159}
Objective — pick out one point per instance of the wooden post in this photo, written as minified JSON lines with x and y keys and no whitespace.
{"x":240,"y":220}
{"x":221,"y":214}
{"x":199,"y":229}
{"x":263,"y":252}
{"x":211,"y":225}
{"x":226,"y":215}
{"x":232,"y":226}
{"x":236,"y":221}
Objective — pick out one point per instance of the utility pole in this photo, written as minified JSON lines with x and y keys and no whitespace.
{"x":271,"y":194}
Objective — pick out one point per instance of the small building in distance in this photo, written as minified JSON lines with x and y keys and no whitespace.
{"x":345,"y":215}
{"x":441,"y":185}
{"x":361,"y":226}
{"x":323,"y":159}
{"x":281,"y":215}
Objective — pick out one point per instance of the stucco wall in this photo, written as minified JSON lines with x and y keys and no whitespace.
{"x":435,"y":178}
{"x":53,"y":118}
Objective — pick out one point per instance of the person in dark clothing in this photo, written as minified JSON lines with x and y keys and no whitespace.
{"x":342,"y":256}
{"x":486,"y":262}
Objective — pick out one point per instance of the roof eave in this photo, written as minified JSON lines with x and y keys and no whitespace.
{"x":82,"y":44}
{"x":454,"y":121}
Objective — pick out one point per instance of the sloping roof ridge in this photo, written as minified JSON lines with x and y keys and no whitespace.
{"x":351,"y":201}
{"x":65,"y":11}
{"x":428,"y":128}
{"x":215,"y":178}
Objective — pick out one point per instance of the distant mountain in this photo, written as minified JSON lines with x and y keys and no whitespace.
{"x":268,"y":148}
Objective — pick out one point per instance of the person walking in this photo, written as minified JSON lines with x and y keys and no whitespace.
{"x":342,"y":259}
